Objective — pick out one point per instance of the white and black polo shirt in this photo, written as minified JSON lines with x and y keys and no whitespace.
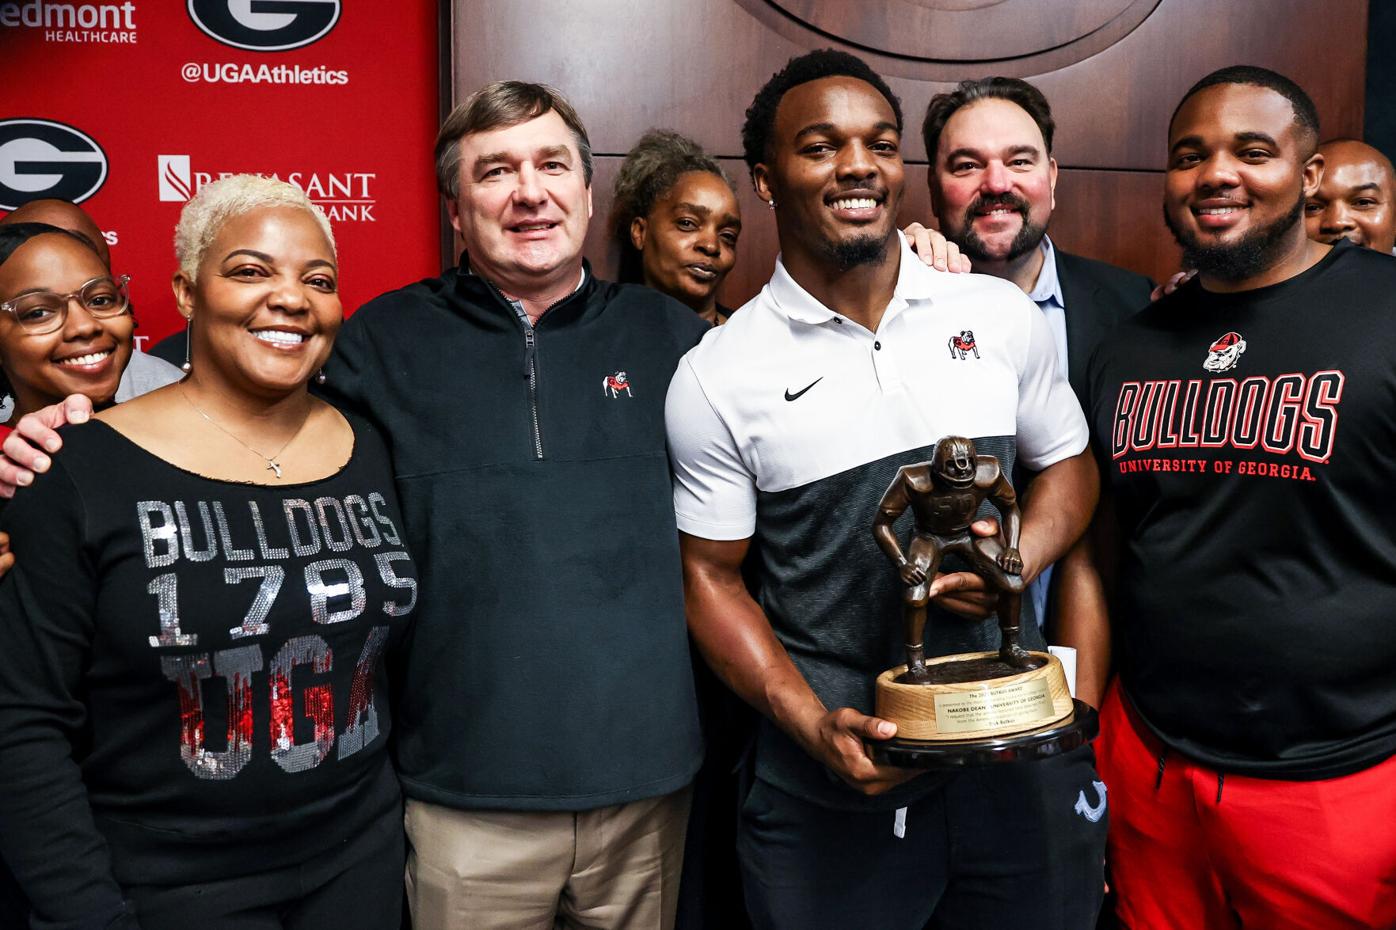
{"x":787,"y":424}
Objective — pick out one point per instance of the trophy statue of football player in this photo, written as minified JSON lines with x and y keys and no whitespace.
{"x":944,"y":494}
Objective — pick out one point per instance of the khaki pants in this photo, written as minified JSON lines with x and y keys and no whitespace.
{"x":614,"y":868}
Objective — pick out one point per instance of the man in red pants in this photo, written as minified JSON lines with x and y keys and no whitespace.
{"x":1244,"y":425}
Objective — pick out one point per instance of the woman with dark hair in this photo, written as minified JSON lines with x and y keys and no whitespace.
{"x":193,"y":709}
{"x":677,"y":221}
{"x":65,"y":321}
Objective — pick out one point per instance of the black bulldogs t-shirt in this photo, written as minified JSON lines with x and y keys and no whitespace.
{"x":192,"y":680}
{"x":1248,"y":440}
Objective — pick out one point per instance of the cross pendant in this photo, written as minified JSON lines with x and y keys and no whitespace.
{"x":272,"y":466}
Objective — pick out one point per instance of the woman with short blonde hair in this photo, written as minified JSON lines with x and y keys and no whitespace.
{"x":193,"y":702}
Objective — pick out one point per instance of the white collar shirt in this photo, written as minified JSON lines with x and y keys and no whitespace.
{"x":1047,"y":294}
{"x":790,"y":393}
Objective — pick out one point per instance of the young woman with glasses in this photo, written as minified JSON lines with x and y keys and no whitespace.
{"x":65,"y":321}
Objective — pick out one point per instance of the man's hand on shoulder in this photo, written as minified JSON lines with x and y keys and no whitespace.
{"x":935,"y":250}
{"x":838,"y":741}
{"x":7,"y":558}
{"x":36,"y":434}
{"x":1171,"y":285}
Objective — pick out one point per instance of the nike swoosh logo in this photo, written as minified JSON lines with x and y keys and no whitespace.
{"x":797,"y":395}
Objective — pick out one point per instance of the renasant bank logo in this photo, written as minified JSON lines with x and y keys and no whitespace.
{"x":105,"y":23}
{"x":345,"y":196}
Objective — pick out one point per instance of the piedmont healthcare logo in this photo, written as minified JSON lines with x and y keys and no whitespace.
{"x":345,"y":196}
{"x":106,"y":23}
{"x":40,"y":158}
{"x":265,"y":25}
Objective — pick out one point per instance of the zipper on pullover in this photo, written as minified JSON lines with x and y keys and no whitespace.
{"x":531,"y":372}
{"x":530,"y":357}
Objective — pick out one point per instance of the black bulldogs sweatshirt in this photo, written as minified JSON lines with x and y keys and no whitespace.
{"x":192,"y":671}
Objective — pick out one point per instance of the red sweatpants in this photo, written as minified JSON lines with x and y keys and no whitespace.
{"x":1194,"y":851}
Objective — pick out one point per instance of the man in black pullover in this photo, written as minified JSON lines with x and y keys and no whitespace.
{"x":548,"y":727}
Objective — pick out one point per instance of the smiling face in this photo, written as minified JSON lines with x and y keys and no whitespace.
{"x":1354,"y":198}
{"x":993,"y":183}
{"x":86,"y":355}
{"x":835,"y":172}
{"x":266,"y":304}
{"x":688,"y":241}
{"x":524,"y":204}
{"x":1238,"y":174}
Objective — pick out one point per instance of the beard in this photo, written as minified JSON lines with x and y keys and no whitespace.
{"x":1254,"y":252}
{"x":847,"y":254}
{"x":1028,"y":238}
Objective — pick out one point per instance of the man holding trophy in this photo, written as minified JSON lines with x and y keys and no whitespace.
{"x":786,"y":427}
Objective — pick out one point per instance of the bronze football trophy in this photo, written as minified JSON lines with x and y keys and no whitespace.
{"x":973,"y":707}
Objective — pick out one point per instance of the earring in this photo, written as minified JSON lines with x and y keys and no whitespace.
{"x":771,"y":203}
{"x":321,"y":378}
{"x":188,"y":366}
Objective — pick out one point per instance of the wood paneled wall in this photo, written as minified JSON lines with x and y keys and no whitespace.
{"x":1112,"y":69}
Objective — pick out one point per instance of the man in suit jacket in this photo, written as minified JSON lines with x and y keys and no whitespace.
{"x":993,"y":187}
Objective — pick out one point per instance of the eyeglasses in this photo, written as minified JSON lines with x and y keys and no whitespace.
{"x":45,"y":311}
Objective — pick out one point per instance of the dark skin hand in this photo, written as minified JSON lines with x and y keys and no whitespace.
{"x":737,"y":641}
{"x":1057,"y":509}
{"x":35,"y":431}
{"x":739,"y":645}
{"x":962,"y":593}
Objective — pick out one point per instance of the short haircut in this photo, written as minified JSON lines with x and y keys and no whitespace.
{"x":499,"y":105}
{"x":14,"y":235}
{"x":1377,"y":154}
{"x":812,"y":66}
{"x":216,"y":203}
{"x":1305,"y":113}
{"x":1014,"y":90}
{"x":72,"y":214}
{"x":650,"y":171}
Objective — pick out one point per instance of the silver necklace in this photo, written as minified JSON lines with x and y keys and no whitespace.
{"x":272,"y":464}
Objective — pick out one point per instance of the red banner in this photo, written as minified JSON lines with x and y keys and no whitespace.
{"x":129,"y":107}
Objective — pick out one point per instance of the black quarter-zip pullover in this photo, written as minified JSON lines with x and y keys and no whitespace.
{"x":549,"y":667}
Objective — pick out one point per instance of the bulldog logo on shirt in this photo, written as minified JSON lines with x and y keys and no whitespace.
{"x":614,"y":384}
{"x":1225,"y":353}
{"x":962,"y":345}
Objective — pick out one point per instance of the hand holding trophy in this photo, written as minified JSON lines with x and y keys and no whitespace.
{"x":974,"y":707}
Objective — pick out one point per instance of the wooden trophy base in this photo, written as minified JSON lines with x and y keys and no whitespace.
{"x":978,"y":709}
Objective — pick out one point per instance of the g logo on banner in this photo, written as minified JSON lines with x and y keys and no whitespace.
{"x":40,"y":158}
{"x":265,"y":25}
